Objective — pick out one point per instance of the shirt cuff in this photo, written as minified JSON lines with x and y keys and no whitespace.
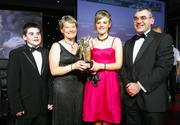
{"x":144,"y":90}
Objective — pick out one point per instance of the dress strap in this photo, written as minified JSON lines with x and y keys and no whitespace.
{"x":92,"y":45}
{"x":60,"y":45}
{"x":113,"y":42}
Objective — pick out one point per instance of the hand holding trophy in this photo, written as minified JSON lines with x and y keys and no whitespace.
{"x":85,"y":54}
{"x":85,"y":50}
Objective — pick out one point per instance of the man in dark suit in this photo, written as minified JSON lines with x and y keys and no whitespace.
{"x":174,"y":71}
{"x":28,"y":77}
{"x":147,"y":61}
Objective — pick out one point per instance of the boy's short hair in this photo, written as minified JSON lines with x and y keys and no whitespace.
{"x":30,"y":25}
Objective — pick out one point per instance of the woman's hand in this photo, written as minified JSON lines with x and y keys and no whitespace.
{"x":93,"y":72}
{"x":79,"y":65}
{"x":95,"y":67}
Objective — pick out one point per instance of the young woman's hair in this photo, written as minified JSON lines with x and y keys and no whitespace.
{"x":100,"y":14}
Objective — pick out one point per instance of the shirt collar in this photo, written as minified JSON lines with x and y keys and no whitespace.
{"x":32,"y":46}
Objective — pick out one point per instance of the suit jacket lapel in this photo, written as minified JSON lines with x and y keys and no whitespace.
{"x":30,"y":57}
{"x":131,"y":46}
{"x":144,"y":46}
{"x":44,"y":60}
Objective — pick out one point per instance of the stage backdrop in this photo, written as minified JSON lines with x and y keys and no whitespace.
{"x":122,"y":15}
{"x":11,"y":23}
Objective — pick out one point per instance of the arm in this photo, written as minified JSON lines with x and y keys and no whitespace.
{"x":123,"y":72}
{"x":54,"y":59}
{"x":132,"y":88}
{"x":177,"y":59}
{"x":50,"y":88}
{"x":118,"y":58}
{"x":13,"y":83}
{"x":161,"y":65}
{"x":178,"y":68}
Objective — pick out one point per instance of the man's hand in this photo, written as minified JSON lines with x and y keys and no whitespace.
{"x":132,"y":88}
{"x":20,"y":114}
{"x":178,"y":70}
{"x":50,"y":106}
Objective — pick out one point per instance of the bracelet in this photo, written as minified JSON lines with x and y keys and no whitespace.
{"x":104,"y":66}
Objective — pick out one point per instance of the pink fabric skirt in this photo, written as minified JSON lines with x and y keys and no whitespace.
{"x":103,"y":102}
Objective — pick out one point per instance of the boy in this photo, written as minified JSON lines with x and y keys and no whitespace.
{"x":28,"y":77}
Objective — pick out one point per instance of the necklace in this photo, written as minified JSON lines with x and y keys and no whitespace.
{"x":72,"y":45}
{"x":103,"y":39}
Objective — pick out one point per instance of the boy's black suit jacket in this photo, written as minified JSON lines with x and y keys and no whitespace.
{"x":27,"y":89}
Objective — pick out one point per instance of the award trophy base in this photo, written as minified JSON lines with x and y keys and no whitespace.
{"x":89,"y":64}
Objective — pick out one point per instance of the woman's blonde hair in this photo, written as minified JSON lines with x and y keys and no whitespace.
{"x":67,"y":18}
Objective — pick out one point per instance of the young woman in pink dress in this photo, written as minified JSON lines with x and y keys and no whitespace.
{"x":102,"y":102}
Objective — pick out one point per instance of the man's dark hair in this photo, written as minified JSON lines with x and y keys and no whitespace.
{"x":30,"y":25}
{"x":145,"y":8}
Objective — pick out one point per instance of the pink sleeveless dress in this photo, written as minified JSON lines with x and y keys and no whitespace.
{"x":102,"y":102}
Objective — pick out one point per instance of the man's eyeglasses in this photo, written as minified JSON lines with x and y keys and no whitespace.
{"x":143,"y":18}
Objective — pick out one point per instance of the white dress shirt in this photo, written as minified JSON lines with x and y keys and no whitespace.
{"x":176,"y":56}
{"x":38,"y":59}
{"x":137,"y":46}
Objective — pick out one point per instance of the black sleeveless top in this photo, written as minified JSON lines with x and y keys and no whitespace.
{"x":67,"y":93}
{"x":68,"y":58}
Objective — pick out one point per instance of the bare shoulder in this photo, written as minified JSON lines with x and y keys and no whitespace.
{"x":55,"y":46}
{"x":91,"y":42}
{"x":117,"y":41}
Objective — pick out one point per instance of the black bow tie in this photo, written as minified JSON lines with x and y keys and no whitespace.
{"x":32,"y":49}
{"x":140,"y":36}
